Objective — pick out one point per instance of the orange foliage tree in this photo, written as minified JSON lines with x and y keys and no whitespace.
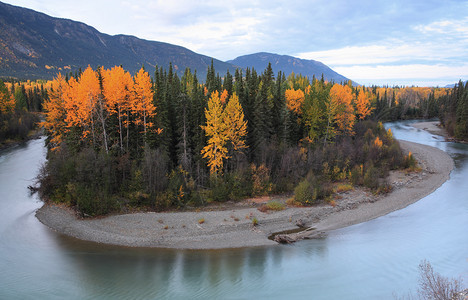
{"x":142,"y":104}
{"x":88,"y":92}
{"x":55,"y":112}
{"x":117,"y":89}
{"x":342,"y":97}
{"x":363,"y":105}
{"x":294,"y":100}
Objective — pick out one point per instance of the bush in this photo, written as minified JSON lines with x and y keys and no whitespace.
{"x":356,"y":175}
{"x":219,"y":190}
{"x":275,"y":205}
{"x":303,"y":192}
{"x":272,"y":205}
{"x":312,"y":190}
{"x":371,"y":177}
{"x":261,"y":184}
{"x":410,"y":162}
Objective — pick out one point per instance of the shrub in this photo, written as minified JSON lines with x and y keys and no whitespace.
{"x":410,"y":162}
{"x":371,"y":177}
{"x":343,"y":187}
{"x":303,"y":193}
{"x":261,"y":184}
{"x":254,"y":222}
{"x":275,"y":205}
{"x":356,"y":176}
{"x":220,"y":190}
{"x":272,"y":205}
{"x":312,"y":189}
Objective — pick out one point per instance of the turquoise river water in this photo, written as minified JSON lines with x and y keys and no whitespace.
{"x":372,"y":260}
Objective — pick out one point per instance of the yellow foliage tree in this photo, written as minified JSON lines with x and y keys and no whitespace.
{"x":236,"y":126}
{"x":217,"y":133}
{"x":7,"y":101}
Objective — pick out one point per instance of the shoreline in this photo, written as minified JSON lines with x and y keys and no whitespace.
{"x":433,"y":127}
{"x":232,"y":227}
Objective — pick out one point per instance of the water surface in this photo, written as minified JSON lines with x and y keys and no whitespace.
{"x":375,"y":259}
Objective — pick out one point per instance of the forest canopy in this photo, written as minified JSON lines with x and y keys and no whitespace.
{"x":119,"y":141}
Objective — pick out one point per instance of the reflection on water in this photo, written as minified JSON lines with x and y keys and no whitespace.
{"x":366,"y":261}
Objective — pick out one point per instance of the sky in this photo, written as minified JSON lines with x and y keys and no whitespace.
{"x":421,"y":43}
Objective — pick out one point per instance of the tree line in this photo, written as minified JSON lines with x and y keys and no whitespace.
{"x":120,"y":141}
{"x":454,"y":111}
{"x":18,"y":101}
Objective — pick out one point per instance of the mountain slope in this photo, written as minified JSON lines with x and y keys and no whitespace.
{"x":35,"y":45}
{"x":287,"y":64}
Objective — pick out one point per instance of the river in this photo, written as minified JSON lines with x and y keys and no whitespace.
{"x":375,"y":259}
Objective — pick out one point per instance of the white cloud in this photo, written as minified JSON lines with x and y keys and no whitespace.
{"x":405,"y":74}
{"x":342,"y":34}
{"x":374,"y":54}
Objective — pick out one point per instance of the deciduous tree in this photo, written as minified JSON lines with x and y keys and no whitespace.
{"x":363,"y":105}
{"x":142,"y":105}
{"x":294,"y":100}
{"x":341,"y":97}
{"x":117,"y":89}
{"x":216,"y":131}
{"x":55,"y":113}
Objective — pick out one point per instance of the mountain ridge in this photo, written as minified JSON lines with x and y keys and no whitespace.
{"x":288,"y":64}
{"x":34,"y":45}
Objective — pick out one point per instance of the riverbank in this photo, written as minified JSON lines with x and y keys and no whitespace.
{"x":33,"y":134}
{"x":232,"y":226}
{"x":436,"y":128}
{"x":433,"y":127}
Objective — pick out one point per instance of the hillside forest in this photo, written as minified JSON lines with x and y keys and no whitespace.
{"x":120,"y":142}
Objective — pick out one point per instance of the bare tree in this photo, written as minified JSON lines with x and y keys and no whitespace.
{"x":433,"y":286}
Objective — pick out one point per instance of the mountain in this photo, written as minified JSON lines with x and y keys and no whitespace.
{"x":288,"y":64}
{"x":451,"y":86}
{"x":34,"y":45}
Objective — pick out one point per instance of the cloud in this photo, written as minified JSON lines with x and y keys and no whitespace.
{"x":342,"y":34}
{"x":405,"y":74}
{"x":431,"y":52}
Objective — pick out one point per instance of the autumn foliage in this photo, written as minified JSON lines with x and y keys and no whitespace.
{"x":84,"y":106}
{"x":294,"y":100}
{"x":342,"y":97}
{"x":124,"y":140}
{"x":224,"y":126}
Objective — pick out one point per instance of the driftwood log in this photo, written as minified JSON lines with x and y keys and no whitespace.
{"x":290,"y":238}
